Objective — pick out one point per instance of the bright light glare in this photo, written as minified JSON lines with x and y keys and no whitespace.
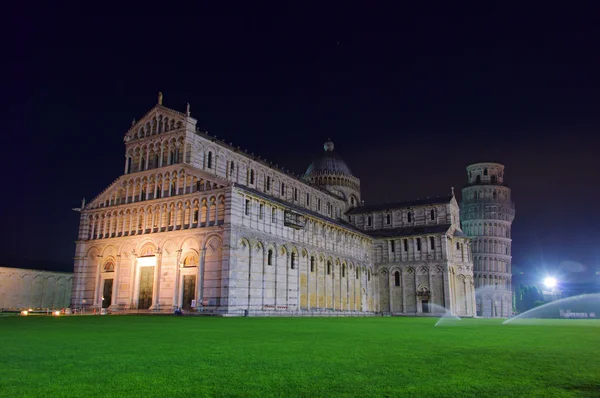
{"x":550,"y":282}
{"x":146,"y":261}
{"x":24,"y":312}
{"x":56,"y":313}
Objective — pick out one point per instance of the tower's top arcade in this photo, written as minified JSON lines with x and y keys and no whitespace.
{"x":485,"y":173}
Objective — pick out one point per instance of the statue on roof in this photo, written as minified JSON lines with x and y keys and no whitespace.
{"x":160,"y":98}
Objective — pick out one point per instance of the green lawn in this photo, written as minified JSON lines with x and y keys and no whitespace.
{"x":143,"y":356}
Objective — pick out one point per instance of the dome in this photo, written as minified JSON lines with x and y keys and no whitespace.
{"x":328,"y":163}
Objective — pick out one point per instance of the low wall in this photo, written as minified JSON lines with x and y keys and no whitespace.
{"x":27,"y":288}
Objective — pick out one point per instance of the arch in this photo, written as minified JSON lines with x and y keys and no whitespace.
{"x":191,"y":259}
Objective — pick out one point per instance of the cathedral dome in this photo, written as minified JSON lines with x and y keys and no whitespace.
{"x":328,"y":163}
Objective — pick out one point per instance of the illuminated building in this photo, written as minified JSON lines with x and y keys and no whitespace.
{"x":197,"y":223}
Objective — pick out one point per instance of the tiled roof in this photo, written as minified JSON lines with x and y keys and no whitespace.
{"x":398,"y":205}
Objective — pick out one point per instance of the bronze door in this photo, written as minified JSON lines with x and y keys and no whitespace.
{"x":107,"y":293}
{"x":425,"y":306}
{"x":189,"y":288}
{"x":146,"y":287}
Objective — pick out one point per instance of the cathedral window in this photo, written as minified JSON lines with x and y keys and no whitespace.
{"x":270,"y":257}
{"x":397,"y":278}
{"x":405,"y":241}
{"x":308,"y":200}
{"x":328,"y":267}
{"x":478,"y":179}
{"x":247,"y":210}
{"x":195,"y":215}
{"x":494,"y":179}
{"x":293,"y":261}
{"x":369,"y":221}
{"x":231,"y":168}
{"x":485,"y":172}
{"x":143,"y":164}
{"x":357,"y":273}
{"x":261,"y":211}
{"x":392,"y":246}
{"x":173,"y":189}
{"x":318,"y":204}
{"x":409,"y":216}
{"x":209,"y":160}
{"x":283,"y":189}
{"x":432,"y":214}
{"x":432,"y":243}
{"x":251,"y":176}
{"x":343,"y":271}
{"x":268,"y":184}
{"x":418,"y":244}
{"x":274,"y":215}
{"x":295,"y":193}
{"x":494,"y":195}
{"x":352,"y":200}
{"x":312,"y":264}
{"x":369,"y":276}
{"x":388,"y":219}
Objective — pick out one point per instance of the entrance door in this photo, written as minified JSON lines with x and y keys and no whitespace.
{"x":107,"y":293}
{"x":425,"y":306}
{"x":189,"y":288}
{"x":146,"y":287}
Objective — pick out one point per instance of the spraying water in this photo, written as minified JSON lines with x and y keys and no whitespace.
{"x":448,"y":319}
{"x":585,"y":306}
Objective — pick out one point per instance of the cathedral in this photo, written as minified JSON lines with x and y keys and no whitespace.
{"x":197,"y":223}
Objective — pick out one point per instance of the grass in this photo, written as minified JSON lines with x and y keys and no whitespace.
{"x":143,"y":356}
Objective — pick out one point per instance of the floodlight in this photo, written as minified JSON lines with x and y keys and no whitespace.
{"x":550,"y":282}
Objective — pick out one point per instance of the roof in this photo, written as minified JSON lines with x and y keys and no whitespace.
{"x":328,"y":163}
{"x":398,"y":205}
{"x":335,"y":221}
{"x":409,"y":231}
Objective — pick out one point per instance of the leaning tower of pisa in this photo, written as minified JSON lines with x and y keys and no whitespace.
{"x":487,"y":213}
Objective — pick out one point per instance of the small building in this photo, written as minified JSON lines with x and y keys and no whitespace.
{"x":28,"y":288}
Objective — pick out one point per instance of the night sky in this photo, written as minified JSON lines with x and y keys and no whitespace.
{"x":409,"y":96}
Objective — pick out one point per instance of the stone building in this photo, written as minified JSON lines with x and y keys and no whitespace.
{"x":28,"y":288}
{"x":197,"y":223}
{"x":487,"y":215}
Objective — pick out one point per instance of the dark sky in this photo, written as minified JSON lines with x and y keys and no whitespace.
{"x":409,"y":96}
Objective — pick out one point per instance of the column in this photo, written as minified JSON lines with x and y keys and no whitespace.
{"x":115,"y":288}
{"x":391,"y":286}
{"x":200,"y":282}
{"x":97,"y":295}
{"x":430,"y":278}
{"x":132,"y":282}
{"x":176,"y":303}
{"x":156,"y":288}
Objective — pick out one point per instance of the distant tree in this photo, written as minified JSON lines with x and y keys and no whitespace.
{"x":528,"y":297}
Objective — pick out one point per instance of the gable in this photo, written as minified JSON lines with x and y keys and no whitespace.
{"x":118,"y":188}
{"x":158,"y":120}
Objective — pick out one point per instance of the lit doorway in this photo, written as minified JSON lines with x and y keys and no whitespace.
{"x":146,"y":287}
{"x":107,"y":293}
{"x":189,"y":290}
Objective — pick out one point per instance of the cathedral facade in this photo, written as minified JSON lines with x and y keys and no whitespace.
{"x":196,"y":223}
